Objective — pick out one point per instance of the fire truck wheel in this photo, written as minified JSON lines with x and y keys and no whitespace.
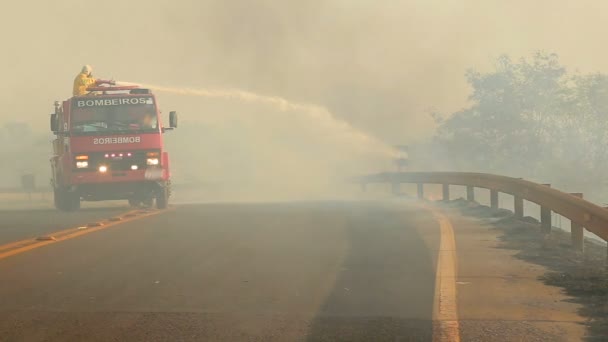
{"x":75,"y":201}
{"x":65,"y":200}
{"x":148,"y":202}
{"x":59,"y":199}
{"x":162,"y":198}
{"x":134,"y":202}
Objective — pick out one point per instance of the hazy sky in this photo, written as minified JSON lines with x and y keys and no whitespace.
{"x":381,"y":65}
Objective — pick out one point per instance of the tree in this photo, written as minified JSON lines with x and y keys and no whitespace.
{"x":532,"y":119}
{"x":505,"y":127}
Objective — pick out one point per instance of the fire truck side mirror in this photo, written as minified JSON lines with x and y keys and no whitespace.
{"x":54,"y":125}
{"x":173,"y":119}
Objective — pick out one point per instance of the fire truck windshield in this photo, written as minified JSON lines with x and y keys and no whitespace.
{"x":114,"y":119}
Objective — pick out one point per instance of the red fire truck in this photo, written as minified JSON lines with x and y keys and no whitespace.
{"x":109,"y":146}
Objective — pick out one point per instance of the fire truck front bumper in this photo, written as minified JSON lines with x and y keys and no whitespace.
{"x":96,"y":186}
{"x":109,"y":176}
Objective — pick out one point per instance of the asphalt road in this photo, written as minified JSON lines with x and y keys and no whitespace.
{"x":25,"y":224}
{"x":317,"y":271}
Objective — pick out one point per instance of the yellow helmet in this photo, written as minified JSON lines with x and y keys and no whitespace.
{"x":87,"y":69}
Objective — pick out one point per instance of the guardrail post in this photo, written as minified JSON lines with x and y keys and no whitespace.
{"x":470,"y":193}
{"x":577,"y":231}
{"x":493,"y":199}
{"x":420,"y":191}
{"x":545,"y":217}
{"x":518,"y":205}
{"x":446,"y":192}
{"x":545,"y":220}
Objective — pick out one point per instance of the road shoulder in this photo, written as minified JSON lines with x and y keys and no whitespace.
{"x":501,"y":297}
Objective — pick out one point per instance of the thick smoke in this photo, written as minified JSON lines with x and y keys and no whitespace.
{"x":380,"y":66}
{"x":265,"y":147}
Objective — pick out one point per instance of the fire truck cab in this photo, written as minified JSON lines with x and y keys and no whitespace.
{"x":109,"y":146}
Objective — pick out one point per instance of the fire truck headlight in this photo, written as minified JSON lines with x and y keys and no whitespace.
{"x":134,"y":167}
{"x":82,"y":164}
{"x":103,"y":169}
{"x":152,"y":161}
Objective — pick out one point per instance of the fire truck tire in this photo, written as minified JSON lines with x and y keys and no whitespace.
{"x":74,"y":201}
{"x":134,"y":202}
{"x":65,"y":200}
{"x":59,"y":199}
{"x":148,"y":202}
{"x":162,"y":198}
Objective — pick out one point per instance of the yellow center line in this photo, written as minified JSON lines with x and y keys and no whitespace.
{"x":22,"y":246}
{"x":16,"y":244}
{"x":445,"y":310}
{"x":32,"y":240}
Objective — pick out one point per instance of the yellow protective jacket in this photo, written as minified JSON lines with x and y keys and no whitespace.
{"x":81,"y":83}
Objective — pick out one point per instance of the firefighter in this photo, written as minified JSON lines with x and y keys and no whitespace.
{"x":148,"y":121}
{"x":85,"y":79}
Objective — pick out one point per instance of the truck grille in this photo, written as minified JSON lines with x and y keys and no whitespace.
{"x":115,"y":162}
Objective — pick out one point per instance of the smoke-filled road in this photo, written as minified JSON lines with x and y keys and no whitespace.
{"x":317,"y":271}
{"x":230,"y":272}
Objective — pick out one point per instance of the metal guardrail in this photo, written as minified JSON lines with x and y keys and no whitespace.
{"x":582,"y":214}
